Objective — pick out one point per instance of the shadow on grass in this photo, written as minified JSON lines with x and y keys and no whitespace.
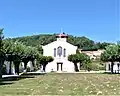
{"x":110,"y":73}
{"x":34,"y":74}
{"x":5,"y":83}
{"x":12,"y":79}
{"x":16,"y":78}
{"x":23,"y":76}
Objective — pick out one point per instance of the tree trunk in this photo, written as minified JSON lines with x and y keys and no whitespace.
{"x":33,"y":64}
{"x":1,"y":69}
{"x":44,"y":66}
{"x":76,"y":67}
{"x":17,"y":67}
{"x":25,"y":65}
{"x":118,"y":68}
{"x":10,"y":67}
{"x":112,"y":63}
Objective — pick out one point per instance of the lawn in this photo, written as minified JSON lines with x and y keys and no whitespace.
{"x":64,"y":84}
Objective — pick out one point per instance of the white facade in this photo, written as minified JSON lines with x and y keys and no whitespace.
{"x":60,"y":50}
{"x":116,"y":67}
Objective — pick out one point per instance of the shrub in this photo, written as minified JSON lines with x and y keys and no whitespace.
{"x":87,"y":66}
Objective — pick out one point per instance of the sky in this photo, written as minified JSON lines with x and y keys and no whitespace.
{"x":96,"y":19}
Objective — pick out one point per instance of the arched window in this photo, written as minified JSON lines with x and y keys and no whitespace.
{"x":54,"y":52}
{"x":59,"y":51}
{"x":64,"y":52}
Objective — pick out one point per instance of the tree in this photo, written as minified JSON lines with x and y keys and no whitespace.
{"x":8,"y":50}
{"x":1,"y":51}
{"x":43,"y":39}
{"x":18,"y":50}
{"x":30,"y":54}
{"x":75,"y":59}
{"x":34,"y":54}
{"x":87,"y":63}
{"x":39,"y":48}
{"x":81,"y":58}
{"x":44,"y":60}
{"x":110,"y":55}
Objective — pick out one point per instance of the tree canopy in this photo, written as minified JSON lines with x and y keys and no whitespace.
{"x":81,"y":58}
{"x":111,"y":54}
{"x":1,"y":51}
{"x":44,"y":60}
{"x":43,"y":39}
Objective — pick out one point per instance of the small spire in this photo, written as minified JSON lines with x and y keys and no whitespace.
{"x":61,"y":30}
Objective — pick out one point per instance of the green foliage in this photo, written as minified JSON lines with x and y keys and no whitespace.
{"x":44,"y":60}
{"x":110,"y":54}
{"x":43,"y":39}
{"x":17,"y":52}
{"x":49,"y":59}
{"x":39,"y":48}
{"x":2,"y":55}
{"x":81,"y":58}
{"x":86,"y":62}
{"x":8,"y":46}
{"x":1,"y":39}
{"x":74,"y":58}
{"x":77,"y":51}
{"x":88,"y":66}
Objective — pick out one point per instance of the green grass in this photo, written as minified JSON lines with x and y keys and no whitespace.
{"x":64,"y":84}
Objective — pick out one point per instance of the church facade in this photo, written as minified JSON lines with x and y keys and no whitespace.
{"x":60,"y":50}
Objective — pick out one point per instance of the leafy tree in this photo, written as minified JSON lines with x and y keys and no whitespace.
{"x":43,"y":39}
{"x":75,"y":59}
{"x":18,"y":50}
{"x":87,"y":63}
{"x":8,"y":50}
{"x":30,"y":54}
{"x":81,"y":58}
{"x":110,"y":54}
{"x":44,"y":60}
{"x":39,"y":49}
{"x":2,"y":55}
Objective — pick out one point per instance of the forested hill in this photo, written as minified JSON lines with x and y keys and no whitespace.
{"x":43,"y":39}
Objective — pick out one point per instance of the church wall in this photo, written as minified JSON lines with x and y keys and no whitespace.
{"x":52,"y":66}
{"x":68,"y":66}
{"x":48,"y":50}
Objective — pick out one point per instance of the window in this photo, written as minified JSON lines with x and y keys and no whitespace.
{"x":59,"y":51}
{"x":54,"y":52}
{"x":64,"y":52}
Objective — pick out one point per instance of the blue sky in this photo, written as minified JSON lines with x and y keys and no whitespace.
{"x":95,"y":19}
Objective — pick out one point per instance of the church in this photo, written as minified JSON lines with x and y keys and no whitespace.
{"x":59,"y":50}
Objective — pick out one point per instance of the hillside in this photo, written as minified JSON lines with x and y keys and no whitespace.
{"x":43,"y":39}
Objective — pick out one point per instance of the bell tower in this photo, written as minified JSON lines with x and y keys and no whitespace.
{"x":62,"y":36}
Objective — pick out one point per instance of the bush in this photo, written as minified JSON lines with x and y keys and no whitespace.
{"x":92,"y":66}
{"x":95,"y":67}
{"x":87,"y":67}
